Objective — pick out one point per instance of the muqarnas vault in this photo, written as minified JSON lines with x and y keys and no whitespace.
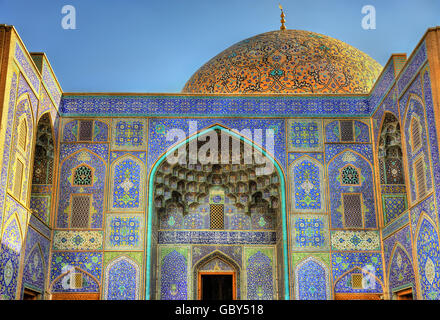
{"x":90,"y":208}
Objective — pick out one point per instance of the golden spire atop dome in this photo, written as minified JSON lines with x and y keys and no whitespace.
{"x":283,"y":27}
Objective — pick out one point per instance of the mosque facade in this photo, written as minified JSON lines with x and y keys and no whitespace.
{"x":292,"y":166}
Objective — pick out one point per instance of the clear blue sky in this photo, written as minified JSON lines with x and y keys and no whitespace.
{"x":156,"y":45}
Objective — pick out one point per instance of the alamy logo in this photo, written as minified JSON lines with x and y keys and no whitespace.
{"x":69,"y":20}
{"x":222,"y":147}
{"x":369,"y":20}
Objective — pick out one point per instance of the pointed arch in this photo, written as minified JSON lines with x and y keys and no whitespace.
{"x":427,"y":253}
{"x":72,"y":270}
{"x":350,"y":172}
{"x":37,"y":247}
{"x":412,"y":96}
{"x":361,"y":198}
{"x":26,"y":96}
{"x":126,"y":278}
{"x":203,"y":261}
{"x":260,"y":280}
{"x":31,"y":278}
{"x":66,"y":189}
{"x":349,"y":150}
{"x":307,"y":278}
{"x":396,"y":248}
{"x":173,"y":275}
{"x":361,"y":270}
{"x":303,"y":182}
{"x":150,"y":208}
{"x":76,"y":169}
{"x":51,"y":121}
{"x":216,"y":254}
{"x":12,"y":234}
{"x":397,"y":245}
{"x":79,"y":151}
{"x":127,"y":188}
{"x":386,"y":114}
{"x":19,"y":164}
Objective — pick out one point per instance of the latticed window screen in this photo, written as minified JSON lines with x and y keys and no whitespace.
{"x":421,"y":178}
{"x":85,"y":130}
{"x":76,"y":280}
{"x":350,"y":176}
{"x":22,"y":134}
{"x":82,"y":176}
{"x":18,"y":181}
{"x":416,"y":134}
{"x":80,"y":211}
{"x":357,"y":281}
{"x":216,"y":211}
{"x":352,"y":210}
{"x":347,"y":131}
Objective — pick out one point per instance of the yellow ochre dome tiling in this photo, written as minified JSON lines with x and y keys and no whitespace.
{"x":287,"y":61}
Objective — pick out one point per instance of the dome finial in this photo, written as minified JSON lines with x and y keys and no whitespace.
{"x":283,"y":27}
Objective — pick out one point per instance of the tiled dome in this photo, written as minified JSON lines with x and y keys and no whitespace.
{"x":287,"y":61}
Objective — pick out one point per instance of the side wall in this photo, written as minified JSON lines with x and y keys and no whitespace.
{"x":25,"y":96}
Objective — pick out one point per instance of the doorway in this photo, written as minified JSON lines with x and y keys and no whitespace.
{"x":31,"y":295}
{"x":404,"y":294}
{"x":217,"y":286}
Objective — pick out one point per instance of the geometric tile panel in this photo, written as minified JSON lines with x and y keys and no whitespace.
{"x":355,"y":240}
{"x":361,"y":132}
{"x":124,"y":232}
{"x":129,"y":134}
{"x":100,"y":132}
{"x":309,"y":232}
{"x":393,"y":206}
{"x":77,"y":240}
{"x":40,"y":205}
{"x":27,"y":67}
{"x":304,"y":135}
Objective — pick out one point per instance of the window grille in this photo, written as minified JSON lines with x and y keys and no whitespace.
{"x":85,"y":130}
{"x":352,"y":210}
{"x":350,"y":176}
{"x":420,"y":178}
{"x":82,"y":176}
{"x":80,"y":211}
{"x":22,"y":135}
{"x":357,"y":281}
{"x":217,"y":219}
{"x":76,"y":280}
{"x":347,"y":130}
{"x":416,"y":135}
{"x":18,"y":181}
